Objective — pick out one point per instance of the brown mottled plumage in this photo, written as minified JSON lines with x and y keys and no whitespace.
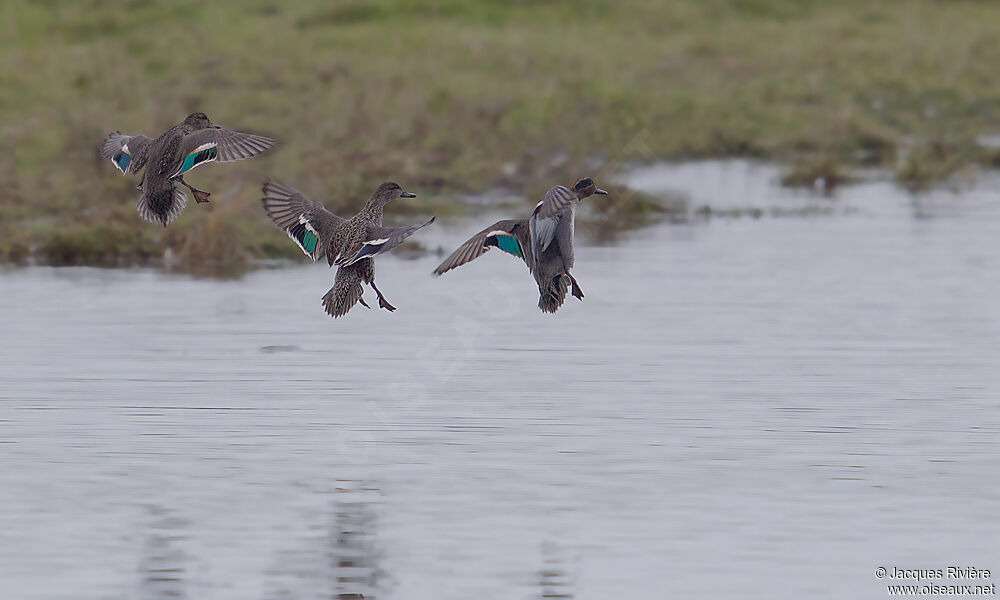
{"x":351,"y":244}
{"x":191,"y":143}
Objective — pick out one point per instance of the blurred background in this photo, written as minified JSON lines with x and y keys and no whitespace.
{"x":454,"y":98}
{"x":783,"y":375}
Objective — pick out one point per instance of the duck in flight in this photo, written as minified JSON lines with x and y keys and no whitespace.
{"x":350,"y":244}
{"x":192,"y":142}
{"x":544,"y":241}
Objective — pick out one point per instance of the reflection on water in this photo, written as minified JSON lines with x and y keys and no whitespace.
{"x":737,"y":403}
{"x":553,"y":579}
{"x":162,"y":561}
{"x":352,"y":559}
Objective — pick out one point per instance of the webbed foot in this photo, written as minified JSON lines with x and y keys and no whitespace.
{"x":383,"y":303}
{"x":199,"y":196}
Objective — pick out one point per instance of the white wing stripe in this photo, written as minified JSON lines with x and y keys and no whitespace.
{"x":205,"y":146}
{"x":304,"y":221}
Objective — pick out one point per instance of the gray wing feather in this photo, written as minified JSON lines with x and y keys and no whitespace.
{"x":554,"y":202}
{"x":231,"y":145}
{"x":138,"y":145}
{"x":287,"y":208}
{"x":476,"y":246}
{"x":381,"y":239}
{"x":542,"y":233}
{"x":547,"y":215}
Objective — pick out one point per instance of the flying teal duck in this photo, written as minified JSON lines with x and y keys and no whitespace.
{"x":543,"y":241}
{"x":195,"y":141}
{"x":351,"y":244}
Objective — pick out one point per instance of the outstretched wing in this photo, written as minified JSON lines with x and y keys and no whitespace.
{"x":547,"y":214}
{"x":306,"y":221}
{"x":221,"y":145}
{"x":378,"y":240}
{"x":554,"y":202}
{"x":511,"y":236}
{"x":128,"y":152}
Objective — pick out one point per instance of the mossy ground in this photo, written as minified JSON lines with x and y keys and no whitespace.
{"x":451,"y":97}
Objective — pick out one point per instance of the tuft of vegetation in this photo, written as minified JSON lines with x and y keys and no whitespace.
{"x":103,"y":244}
{"x":929,"y":163}
{"x":451,"y":97}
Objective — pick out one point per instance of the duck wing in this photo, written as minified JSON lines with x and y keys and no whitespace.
{"x":218,"y":145}
{"x":554,"y":202}
{"x":127,"y":152}
{"x":307,"y":222}
{"x":378,"y":240}
{"x":547,"y":215}
{"x":511,"y":236}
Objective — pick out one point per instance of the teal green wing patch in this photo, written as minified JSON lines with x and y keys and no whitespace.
{"x":309,"y":240}
{"x":505,"y":242}
{"x":305,"y":236}
{"x":198,"y":157}
{"x":122,"y":159}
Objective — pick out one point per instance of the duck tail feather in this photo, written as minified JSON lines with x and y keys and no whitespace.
{"x":161,"y":205}
{"x":553,"y":294}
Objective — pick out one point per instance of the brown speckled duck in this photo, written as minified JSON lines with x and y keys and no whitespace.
{"x":193,"y":142}
{"x":351,"y":244}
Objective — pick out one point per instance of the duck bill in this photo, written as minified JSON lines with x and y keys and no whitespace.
{"x":407,"y":195}
{"x":214,"y":126}
{"x":601,"y":192}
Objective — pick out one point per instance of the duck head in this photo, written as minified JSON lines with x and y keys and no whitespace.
{"x":199,"y":120}
{"x":387,"y":192}
{"x":586,"y":187}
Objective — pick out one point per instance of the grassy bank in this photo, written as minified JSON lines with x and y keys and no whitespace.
{"x":451,"y":97}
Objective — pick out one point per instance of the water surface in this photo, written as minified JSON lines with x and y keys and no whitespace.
{"x":742,"y":407}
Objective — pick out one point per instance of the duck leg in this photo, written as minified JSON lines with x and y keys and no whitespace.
{"x":199,"y":196}
{"x":363,"y":303}
{"x":576,"y":288}
{"x":382,"y":302}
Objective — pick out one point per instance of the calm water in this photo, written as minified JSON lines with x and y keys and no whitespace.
{"x":765,"y":408}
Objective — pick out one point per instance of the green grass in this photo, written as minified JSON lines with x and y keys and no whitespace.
{"x":452,"y":97}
